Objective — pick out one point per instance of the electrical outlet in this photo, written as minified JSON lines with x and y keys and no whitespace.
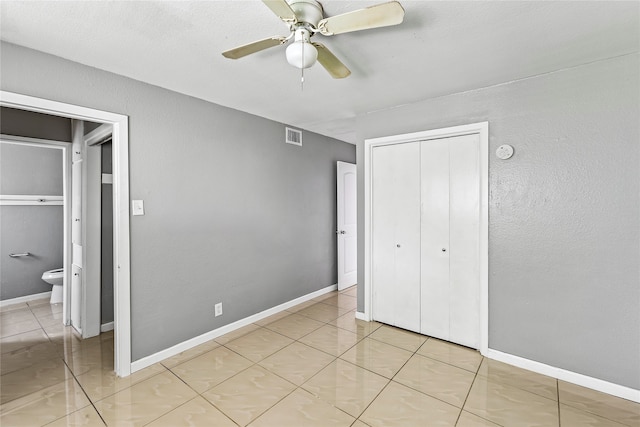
{"x":218,"y":309}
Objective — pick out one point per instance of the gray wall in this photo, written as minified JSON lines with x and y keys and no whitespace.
{"x":564,"y":229}
{"x":28,"y":170}
{"x":106,"y":239}
{"x":34,"y":125}
{"x":232,"y":213}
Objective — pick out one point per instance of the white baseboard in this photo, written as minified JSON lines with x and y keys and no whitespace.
{"x":208,"y":336}
{"x":564,"y":375}
{"x":106,"y":327}
{"x":25,"y":298}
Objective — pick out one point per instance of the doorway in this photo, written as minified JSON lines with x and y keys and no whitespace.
{"x":409,"y":252}
{"x":121,"y":250}
{"x":90,"y":308}
{"x":106,"y":237}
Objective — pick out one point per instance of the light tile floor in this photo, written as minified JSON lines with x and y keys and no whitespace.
{"x":312,"y":365}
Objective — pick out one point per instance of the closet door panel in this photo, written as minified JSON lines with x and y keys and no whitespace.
{"x":465,"y":244}
{"x":407,"y":244}
{"x":383,"y":223}
{"x":435,"y":246}
{"x":396,"y":235}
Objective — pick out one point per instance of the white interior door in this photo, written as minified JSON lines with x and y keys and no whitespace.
{"x":75,"y":293}
{"x":464,"y":237}
{"x":396,"y":235}
{"x":425,"y":216}
{"x":450,"y":299}
{"x":91,"y":213}
{"x":84,"y":295}
{"x":347,"y":232}
{"x":435,"y":247}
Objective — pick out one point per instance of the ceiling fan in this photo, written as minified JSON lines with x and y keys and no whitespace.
{"x":305,"y":18}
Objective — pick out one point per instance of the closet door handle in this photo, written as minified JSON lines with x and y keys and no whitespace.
{"x":444,"y":250}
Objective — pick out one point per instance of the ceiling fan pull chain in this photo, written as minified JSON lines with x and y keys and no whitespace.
{"x":302,"y":72}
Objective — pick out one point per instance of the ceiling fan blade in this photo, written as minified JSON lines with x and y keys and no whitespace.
{"x":332,"y":64}
{"x":380,"y":15}
{"x":282,"y":10}
{"x":254,"y":47}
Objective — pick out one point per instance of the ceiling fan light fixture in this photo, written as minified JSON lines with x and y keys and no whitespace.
{"x":305,"y":18}
{"x":301,"y":54}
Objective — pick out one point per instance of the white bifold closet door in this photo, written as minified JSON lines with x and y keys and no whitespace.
{"x":396,"y":236}
{"x":450,"y":291}
{"x":425,"y":248}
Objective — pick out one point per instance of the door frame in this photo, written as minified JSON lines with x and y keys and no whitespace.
{"x":121,"y":249}
{"x":89,"y":303}
{"x":482,"y":130}
{"x":92,"y":232}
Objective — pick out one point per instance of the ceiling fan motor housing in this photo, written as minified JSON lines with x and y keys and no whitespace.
{"x":305,"y":18}
{"x":301,"y":53}
{"x":307,"y":11}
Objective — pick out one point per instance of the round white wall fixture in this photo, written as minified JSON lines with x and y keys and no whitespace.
{"x":504,"y":152}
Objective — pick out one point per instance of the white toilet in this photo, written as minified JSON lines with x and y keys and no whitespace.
{"x":55,"y":277}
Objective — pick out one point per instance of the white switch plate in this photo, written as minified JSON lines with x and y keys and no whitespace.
{"x":137,"y":207}
{"x":218,"y":309}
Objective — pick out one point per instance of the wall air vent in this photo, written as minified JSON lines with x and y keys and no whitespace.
{"x":293,"y":136}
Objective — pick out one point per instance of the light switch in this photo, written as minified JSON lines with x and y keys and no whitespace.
{"x":138,"y":207}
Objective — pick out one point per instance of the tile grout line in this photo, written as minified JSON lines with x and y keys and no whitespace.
{"x":31,"y":330}
{"x":558,"y":398}
{"x":91,"y":402}
{"x":274,"y":405}
{"x":589,"y":412}
{"x":412,"y":388}
{"x":475,"y":375}
{"x":285,"y":379}
{"x":390,"y":379}
{"x":450,"y":364}
{"x":296,"y":387}
{"x":58,"y":356}
{"x":197,"y":395}
{"x":265,"y":326}
{"x":375,"y":397}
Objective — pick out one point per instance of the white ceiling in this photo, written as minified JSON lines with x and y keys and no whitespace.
{"x":442,"y":47}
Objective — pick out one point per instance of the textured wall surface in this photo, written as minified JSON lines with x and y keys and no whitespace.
{"x":232,"y":213}
{"x":564,"y":229}
{"x":34,"y":229}
{"x":28,"y":170}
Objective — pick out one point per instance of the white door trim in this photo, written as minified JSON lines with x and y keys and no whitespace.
{"x":98,"y":135}
{"x":122,"y":269}
{"x":91,"y":228}
{"x":482,"y":129}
